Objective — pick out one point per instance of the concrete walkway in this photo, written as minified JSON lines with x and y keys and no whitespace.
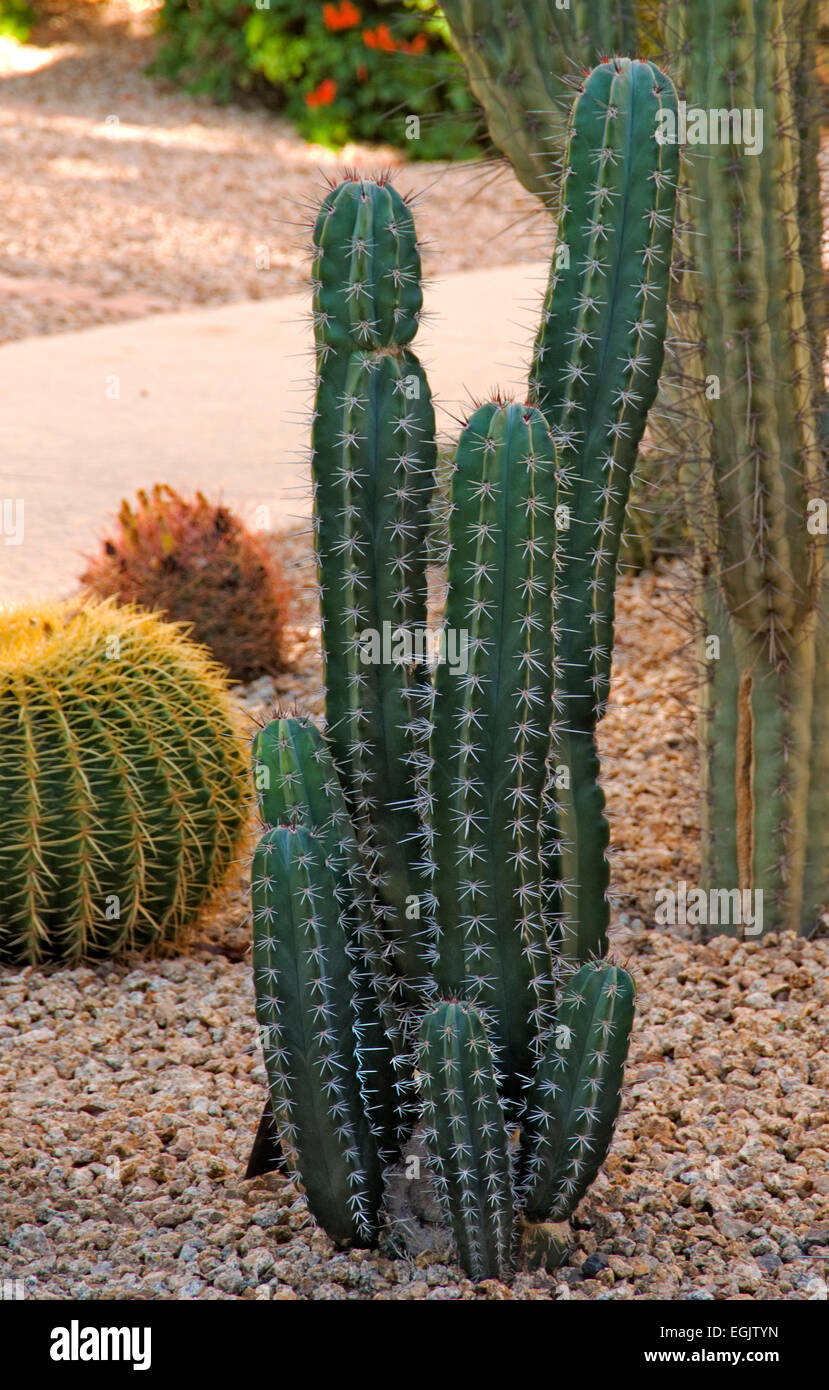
{"x":216,"y":399}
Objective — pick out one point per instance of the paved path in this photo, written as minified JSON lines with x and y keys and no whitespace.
{"x":215,"y":398}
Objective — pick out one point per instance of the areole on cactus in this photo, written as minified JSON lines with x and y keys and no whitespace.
{"x":420,"y":949}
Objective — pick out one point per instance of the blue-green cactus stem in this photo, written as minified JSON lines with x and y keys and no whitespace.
{"x":467,"y":1135}
{"x":373,"y":468}
{"x":312,"y":1005}
{"x":576,"y":1093}
{"x":490,"y":728}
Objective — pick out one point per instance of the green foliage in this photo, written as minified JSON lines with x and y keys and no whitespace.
{"x":429,"y":840}
{"x":344,"y":70}
{"x":16,"y":19}
{"x":121,"y":785}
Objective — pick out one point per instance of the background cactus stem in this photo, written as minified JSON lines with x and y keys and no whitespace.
{"x":750,"y":427}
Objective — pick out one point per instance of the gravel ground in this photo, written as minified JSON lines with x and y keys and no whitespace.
{"x":123,"y":196}
{"x":134,"y":1090}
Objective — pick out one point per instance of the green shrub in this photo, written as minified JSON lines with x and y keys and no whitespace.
{"x":343,"y":70}
{"x":16,"y":19}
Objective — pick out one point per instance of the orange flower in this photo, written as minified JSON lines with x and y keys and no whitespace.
{"x":323,"y":95}
{"x":379,"y":38}
{"x":417,"y":44}
{"x":342,"y":16}
{"x":362,"y":73}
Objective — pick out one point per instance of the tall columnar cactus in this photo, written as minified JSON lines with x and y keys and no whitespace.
{"x":491,"y":727}
{"x":519,"y":57}
{"x":447,"y":786}
{"x":121,"y":781}
{"x":755,"y":326}
{"x":373,"y":462}
{"x":595,"y":369}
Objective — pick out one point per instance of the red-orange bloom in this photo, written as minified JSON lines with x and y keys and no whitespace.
{"x":417,"y":44}
{"x":342,"y":16}
{"x":379,"y":38}
{"x":323,"y":95}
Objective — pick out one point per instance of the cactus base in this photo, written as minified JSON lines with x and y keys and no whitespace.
{"x":544,"y":1245}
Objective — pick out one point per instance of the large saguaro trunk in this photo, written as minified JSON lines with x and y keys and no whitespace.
{"x":753,"y":460}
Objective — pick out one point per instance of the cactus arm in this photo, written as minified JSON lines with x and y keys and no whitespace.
{"x":309,"y":1007}
{"x":467,"y":1136}
{"x":595,"y":369}
{"x":383,"y":459}
{"x":367,"y":290}
{"x":763,"y":772}
{"x":297,"y":784}
{"x":518,"y":58}
{"x":490,"y":727}
{"x":373,"y":464}
{"x":754,"y":319}
{"x":757,"y":331}
{"x":579,"y":835}
{"x":809,"y":99}
{"x":599,"y":348}
{"x":815,"y":896}
{"x":576,"y":1093}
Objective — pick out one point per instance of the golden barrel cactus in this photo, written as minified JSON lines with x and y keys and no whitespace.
{"x":122,"y":793}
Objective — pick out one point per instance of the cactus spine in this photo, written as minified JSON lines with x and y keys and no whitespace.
{"x":468,"y":756}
